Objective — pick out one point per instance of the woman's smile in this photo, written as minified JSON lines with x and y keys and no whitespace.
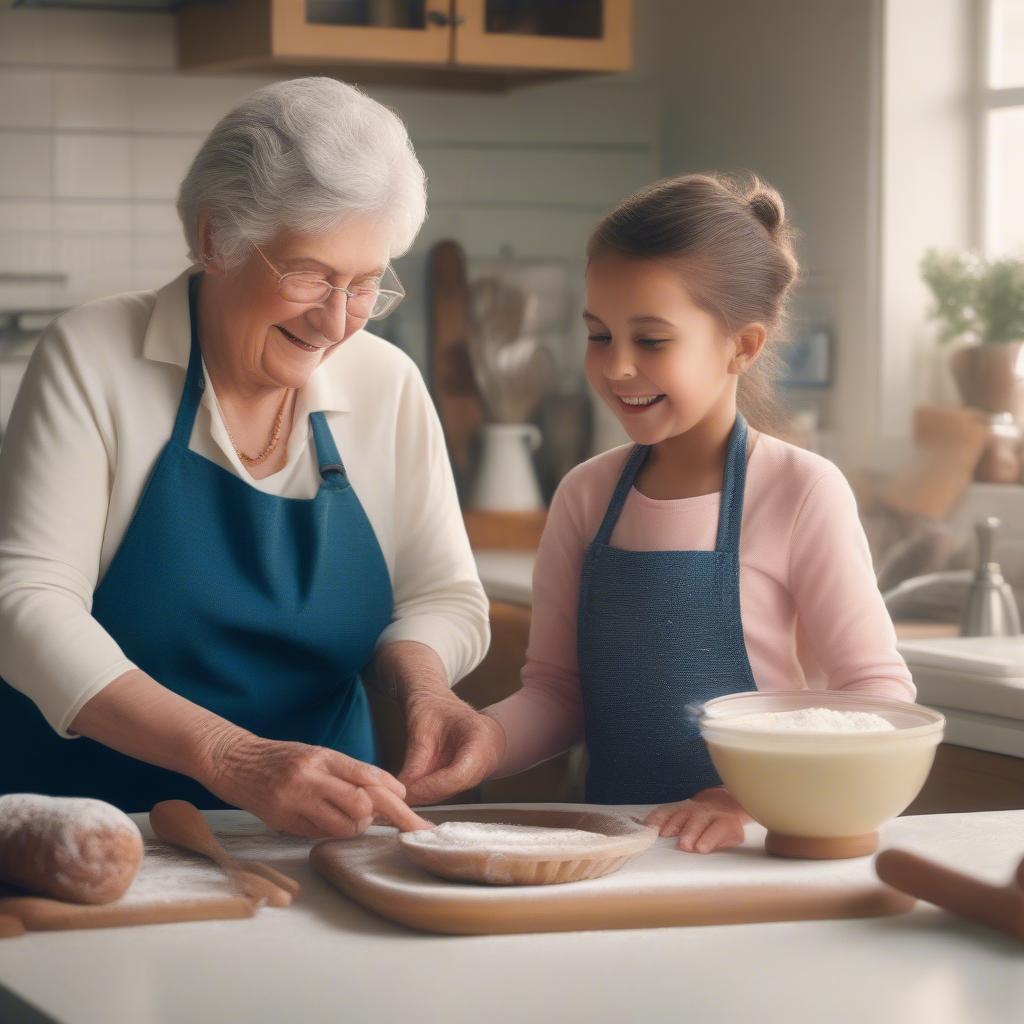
{"x":304,"y":346}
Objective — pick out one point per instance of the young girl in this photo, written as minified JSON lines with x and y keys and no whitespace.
{"x":706,"y":558}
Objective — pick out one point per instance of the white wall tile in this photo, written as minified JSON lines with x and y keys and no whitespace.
{"x":25,"y":215}
{"x":156,"y":217}
{"x":26,"y":165}
{"x":152,"y":278}
{"x":544,"y":176}
{"x":92,"y":99}
{"x":60,"y":38}
{"x":84,"y":254}
{"x":99,"y":216}
{"x":30,"y":295}
{"x":26,"y":253}
{"x":159,"y":164}
{"x":160,"y":250}
{"x":25,"y":99}
{"x":566,"y":113}
{"x":92,"y":166}
{"x":185,"y":103}
{"x":90,"y":187}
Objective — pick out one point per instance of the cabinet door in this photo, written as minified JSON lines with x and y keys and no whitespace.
{"x":571,"y":35}
{"x":370,"y":31}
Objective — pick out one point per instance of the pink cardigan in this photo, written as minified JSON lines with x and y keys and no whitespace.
{"x":812,"y":614}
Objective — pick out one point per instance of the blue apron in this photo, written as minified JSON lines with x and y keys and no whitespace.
{"x":260,"y":608}
{"x":657,"y":631}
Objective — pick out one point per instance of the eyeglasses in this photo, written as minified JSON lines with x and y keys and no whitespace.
{"x":371,"y":300}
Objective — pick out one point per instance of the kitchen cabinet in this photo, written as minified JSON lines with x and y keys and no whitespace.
{"x":482,"y":43}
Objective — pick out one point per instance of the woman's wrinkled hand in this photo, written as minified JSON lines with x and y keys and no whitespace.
{"x":709,"y":820}
{"x":304,"y":790}
{"x":450,"y":747}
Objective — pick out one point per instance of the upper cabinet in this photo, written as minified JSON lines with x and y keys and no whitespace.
{"x":482,"y":42}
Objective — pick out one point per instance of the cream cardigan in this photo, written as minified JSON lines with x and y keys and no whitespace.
{"x":94,"y":411}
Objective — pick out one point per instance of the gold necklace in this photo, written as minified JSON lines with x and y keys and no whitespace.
{"x":255,"y":460}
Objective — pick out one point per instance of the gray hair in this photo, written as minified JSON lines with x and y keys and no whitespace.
{"x":306,"y":155}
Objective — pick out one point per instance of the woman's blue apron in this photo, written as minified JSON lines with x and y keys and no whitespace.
{"x":260,"y":608}
{"x":658,"y":631}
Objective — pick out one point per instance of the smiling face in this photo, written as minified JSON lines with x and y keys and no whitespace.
{"x":272,"y":342}
{"x":657,"y":359}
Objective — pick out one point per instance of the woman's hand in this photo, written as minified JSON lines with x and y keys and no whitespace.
{"x":450,"y":746}
{"x":302,"y":789}
{"x":709,"y":820}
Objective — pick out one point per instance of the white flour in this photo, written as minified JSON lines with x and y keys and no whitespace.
{"x":810,"y":720}
{"x":488,"y":837}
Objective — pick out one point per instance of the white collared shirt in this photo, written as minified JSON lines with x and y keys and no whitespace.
{"x":95,"y":410}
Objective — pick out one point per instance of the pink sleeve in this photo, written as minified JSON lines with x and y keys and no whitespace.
{"x":545,"y":716}
{"x":840,"y":609}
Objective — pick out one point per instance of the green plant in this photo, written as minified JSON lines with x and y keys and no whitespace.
{"x":975,"y":299}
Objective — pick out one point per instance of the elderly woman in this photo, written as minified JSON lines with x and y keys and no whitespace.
{"x":224,"y":503}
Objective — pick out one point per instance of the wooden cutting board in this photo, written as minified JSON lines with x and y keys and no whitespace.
{"x":662,"y":887}
{"x":172,"y":885}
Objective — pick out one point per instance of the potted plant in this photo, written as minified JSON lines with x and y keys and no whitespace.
{"x":980,"y":303}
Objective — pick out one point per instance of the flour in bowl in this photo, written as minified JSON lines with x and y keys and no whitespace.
{"x":809,"y":720}
{"x":491,"y":837}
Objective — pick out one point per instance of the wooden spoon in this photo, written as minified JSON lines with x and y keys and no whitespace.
{"x":180,"y":823}
{"x":998,"y":906}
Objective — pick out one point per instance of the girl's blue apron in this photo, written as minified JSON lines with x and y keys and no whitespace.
{"x":659,"y":630}
{"x":260,"y":608}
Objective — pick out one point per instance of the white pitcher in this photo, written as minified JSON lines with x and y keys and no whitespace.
{"x":506,"y":480}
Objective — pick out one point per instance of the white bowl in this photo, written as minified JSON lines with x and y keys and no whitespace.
{"x":821,"y":794}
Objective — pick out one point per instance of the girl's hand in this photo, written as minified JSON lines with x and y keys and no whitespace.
{"x":709,"y":820}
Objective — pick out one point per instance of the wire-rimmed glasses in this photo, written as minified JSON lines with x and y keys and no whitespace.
{"x":370,"y":301}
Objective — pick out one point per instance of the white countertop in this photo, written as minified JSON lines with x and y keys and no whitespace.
{"x":326,"y":959}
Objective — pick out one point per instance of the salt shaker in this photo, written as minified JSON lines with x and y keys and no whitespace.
{"x":990,"y":608}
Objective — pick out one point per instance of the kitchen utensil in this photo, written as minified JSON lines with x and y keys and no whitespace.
{"x":511,"y":369}
{"x":660,"y":887}
{"x":179,"y":823}
{"x":459,"y":404}
{"x":625,"y":838}
{"x":38,"y":914}
{"x":10,"y":926}
{"x":506,"y":480}
{"x":990,"y":608}
{"x":998,"y":906}
{"x":821,"y":795}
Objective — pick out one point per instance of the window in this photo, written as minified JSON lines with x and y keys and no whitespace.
{"x":1002,"y":128}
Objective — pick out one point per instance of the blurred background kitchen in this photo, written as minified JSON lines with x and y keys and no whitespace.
{"x":893,"y":128}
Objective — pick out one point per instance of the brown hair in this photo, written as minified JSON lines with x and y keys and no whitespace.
{"x":734,"y":243}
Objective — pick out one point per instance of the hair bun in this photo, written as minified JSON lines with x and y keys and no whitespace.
{"x":766,"y":205}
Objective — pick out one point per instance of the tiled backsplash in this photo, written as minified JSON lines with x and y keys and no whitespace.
{"x":97,"y":130}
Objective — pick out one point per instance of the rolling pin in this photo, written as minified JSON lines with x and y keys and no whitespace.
{"x":38,"y":914}
{"x":998,"y":906}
